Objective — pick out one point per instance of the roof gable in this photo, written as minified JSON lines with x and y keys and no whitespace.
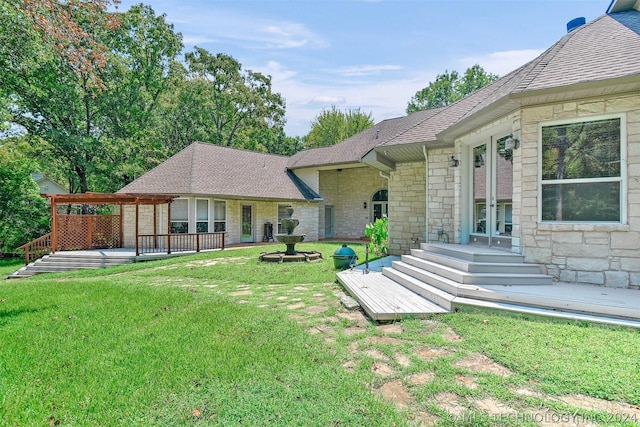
{"x":212,"y":170}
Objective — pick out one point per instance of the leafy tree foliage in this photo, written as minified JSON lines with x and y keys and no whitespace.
{"x":449,"y":88}
{"x":65,"y":26}
{"x":92,"y":128}
{"x":332,"y":126}
{"x":214,"y":100}
{"x":24,"y":213}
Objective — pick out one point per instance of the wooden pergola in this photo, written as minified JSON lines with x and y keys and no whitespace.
{"x":84,"y":224}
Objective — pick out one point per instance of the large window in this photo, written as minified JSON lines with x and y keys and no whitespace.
{"x":219,"y":216}
{"x":582,"y":171}
{"x":180,"y":216}
{"x":202,"y":216}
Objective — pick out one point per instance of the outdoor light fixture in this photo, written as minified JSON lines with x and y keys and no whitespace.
{"x":364,"y":205}
{"x":478,"y":161}
{"x":453,"y":162}
{"x":511,"y":143}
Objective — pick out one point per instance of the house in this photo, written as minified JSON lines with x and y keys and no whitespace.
{"x":544,"y":162}
{"x":47,"y":185}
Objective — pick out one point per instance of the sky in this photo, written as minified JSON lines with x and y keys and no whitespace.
{"x":371,"y":55}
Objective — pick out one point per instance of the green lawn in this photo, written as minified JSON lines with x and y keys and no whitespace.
{"x":220,"y":339}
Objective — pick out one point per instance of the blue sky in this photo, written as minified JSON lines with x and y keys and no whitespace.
{"x":369,"y":54}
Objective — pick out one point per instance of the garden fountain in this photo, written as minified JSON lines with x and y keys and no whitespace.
{"x":290,"y":239}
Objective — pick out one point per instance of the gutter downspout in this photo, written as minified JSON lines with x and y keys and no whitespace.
{"x":426,"y":193}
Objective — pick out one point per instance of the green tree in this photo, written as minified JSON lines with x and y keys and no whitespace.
{"x":449,"y":88}
{"x":214,"y":100}
{"x":67,"y":26}
{"x":332,"y":126}
{"x":23,"y":213}
{"x":96,"y":130}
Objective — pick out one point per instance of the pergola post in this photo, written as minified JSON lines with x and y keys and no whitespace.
{"x":137,"y":228}
{"x":168,"y":227}
{"x":54,"y":225}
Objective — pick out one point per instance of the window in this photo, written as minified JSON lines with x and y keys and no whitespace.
{"x":180,"y":216}
{"x":582,"y":171}
{"x":219,"y":216}
{"x":202,"y":216}
{"x":380,"y":205}
{"x":282,"y":213}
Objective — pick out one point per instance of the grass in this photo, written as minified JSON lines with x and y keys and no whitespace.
{"x":220,"y":339}
{"x":9,"y":265}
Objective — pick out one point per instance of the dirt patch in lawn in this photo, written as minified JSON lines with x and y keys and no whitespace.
{"x":395,"y":393}
{"x":481,"y":363}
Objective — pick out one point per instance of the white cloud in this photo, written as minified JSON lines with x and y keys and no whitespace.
{"x":327,"y":100}
{"x":501,"y":63}
{"x":245,"y":30}
{"x":366,"y":70}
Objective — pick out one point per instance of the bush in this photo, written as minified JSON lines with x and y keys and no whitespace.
{"x":378,"y":235}
{"x":23,"y":213}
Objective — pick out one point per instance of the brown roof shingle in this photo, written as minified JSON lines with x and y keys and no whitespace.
{"x":212,"y":170}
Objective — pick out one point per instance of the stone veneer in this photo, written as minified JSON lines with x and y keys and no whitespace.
{"x":346,"y":190}
{"x":263,"y":211}
{"x":601,"y":254}
{"x":407,"y":207}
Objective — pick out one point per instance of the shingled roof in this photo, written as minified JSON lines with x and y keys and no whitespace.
{"x":212,"y":170}
{"x":354,"y":148}
{"x":607,"y":48}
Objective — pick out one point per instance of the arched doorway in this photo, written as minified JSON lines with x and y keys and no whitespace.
{"x":380,"y":204}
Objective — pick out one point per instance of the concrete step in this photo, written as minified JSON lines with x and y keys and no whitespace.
{"x":464,"y":277}
{"x":477,"y":267}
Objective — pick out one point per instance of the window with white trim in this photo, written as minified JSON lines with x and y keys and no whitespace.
{"x":202,"y":216}
{"x":219,"y":216}
{"x":180,"y":216}
{"x":581,"y":171}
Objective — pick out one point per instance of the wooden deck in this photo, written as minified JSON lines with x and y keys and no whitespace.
{"x":384,"y":300}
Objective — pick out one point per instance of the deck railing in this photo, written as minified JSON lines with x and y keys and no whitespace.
{"x":37,"y":248}
{"x":178,"y":242}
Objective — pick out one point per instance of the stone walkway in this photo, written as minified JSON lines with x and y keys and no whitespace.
{"x":408,"y":374}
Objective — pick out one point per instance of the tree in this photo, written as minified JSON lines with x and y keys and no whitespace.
{"x":24,"y":215}
{"x":216,"y":101}
{"x":332,"y":126}
{"x":92,"y":128}
{"x":449,"y":88}
{"x":64,"y":25}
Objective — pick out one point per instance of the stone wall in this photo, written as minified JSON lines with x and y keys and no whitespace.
{"x":601,"y":254}
{"x":407,"y":206}
{"x":263,"y":211}
{"x":347,"y":190}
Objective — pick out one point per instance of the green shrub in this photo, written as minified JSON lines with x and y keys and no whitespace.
{"x":378,"y":234}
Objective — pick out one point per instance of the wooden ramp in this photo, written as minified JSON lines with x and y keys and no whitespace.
{"x":385,"y":300}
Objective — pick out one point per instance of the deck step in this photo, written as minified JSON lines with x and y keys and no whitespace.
{"x":384,"y":299}
{"x":477,"y":267}
{"x":499,"y":277}
{"x":473,"y":253}
{"x":431,"y":293}
{"x":458,"y":277}
{"x":61,"y":262}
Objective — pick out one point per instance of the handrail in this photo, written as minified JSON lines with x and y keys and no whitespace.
{"x":179,"y":242}
{"x":37,"y":248}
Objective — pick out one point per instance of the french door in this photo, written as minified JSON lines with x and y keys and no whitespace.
{"x":492,"y":181}
{"x":247,"y":224}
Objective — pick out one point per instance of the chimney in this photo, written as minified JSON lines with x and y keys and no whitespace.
{"x":575,"y":23}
